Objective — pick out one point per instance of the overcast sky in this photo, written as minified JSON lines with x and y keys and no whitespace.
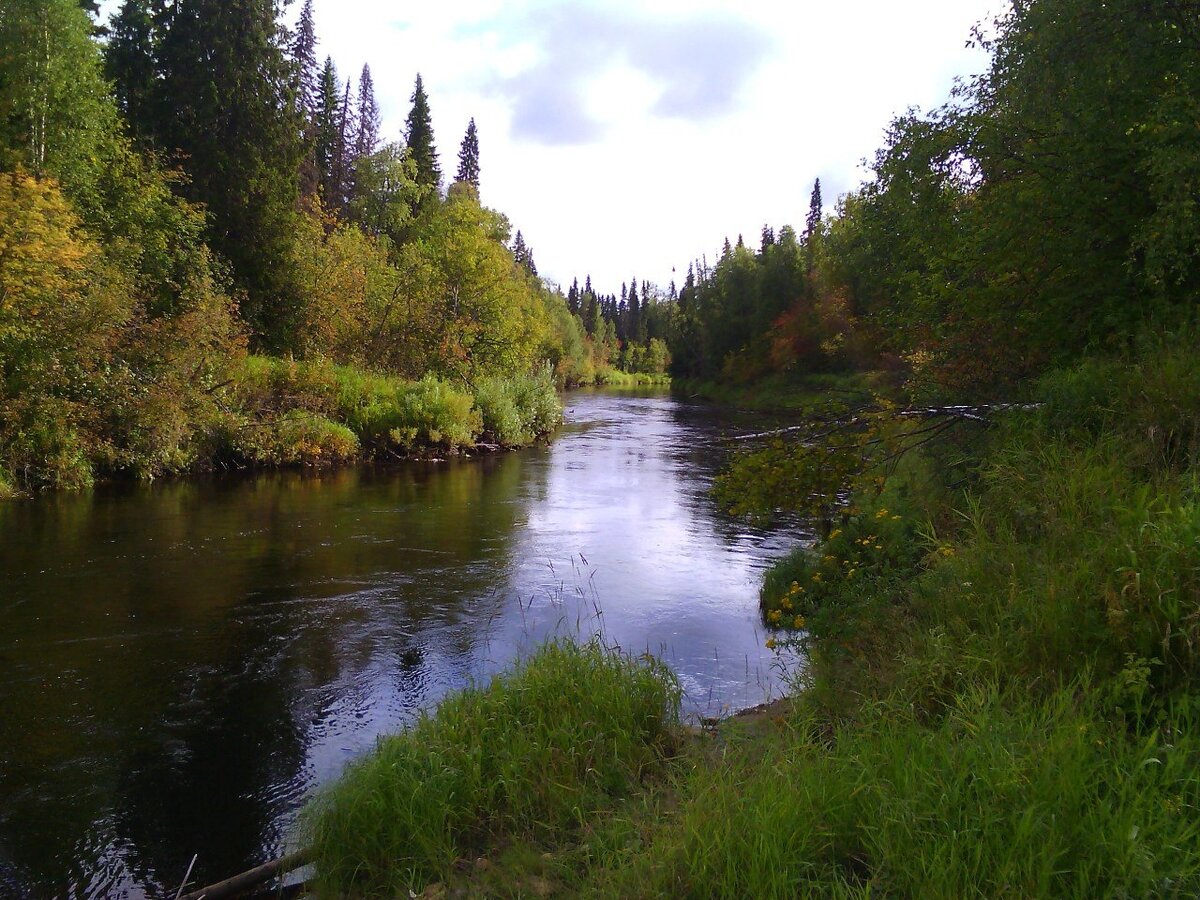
{"x":627,"y":137}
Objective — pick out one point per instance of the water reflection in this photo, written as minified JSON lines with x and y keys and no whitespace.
{"x":180,"y":665}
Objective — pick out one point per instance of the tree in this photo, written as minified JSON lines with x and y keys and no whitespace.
{"x":129,"y":63}
{"x":367,"y":124}
{"x":815,"y":207}
{"x":328,"y":149}
{"x":229,"y":85}
{"x":468,"y":157}
{"x":386,"y":193}
{"x":418,"y":134}
{"x":304,"y":56}
{"x":56,"y":116}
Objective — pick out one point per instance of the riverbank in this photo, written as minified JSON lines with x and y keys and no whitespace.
{"x":1000,"y":696}
{"x":283,"y":413}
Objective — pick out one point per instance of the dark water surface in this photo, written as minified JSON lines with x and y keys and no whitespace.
{"x":180,"y":665}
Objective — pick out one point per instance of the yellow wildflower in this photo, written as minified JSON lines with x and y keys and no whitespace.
{"x":787,"y":603}
{"x":775,"y":615}
{"x":882,"y":514}
{"x":799,"y":623}
{"x":836,"y":533}
{"x":771,"y":645}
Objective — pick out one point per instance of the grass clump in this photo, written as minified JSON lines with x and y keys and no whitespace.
{"x":562,"y":736}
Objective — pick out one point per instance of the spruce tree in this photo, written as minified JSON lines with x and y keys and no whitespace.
{"x":815,"y":205}
{"x":366,"y":132}
{"x":327,"y":130}
{"x":304,"y":57}
{"x":129,"y":64}
{"x":768,"y":237}
{"x":468,"y":157}
{"x":344,"y":162}
{"x":419,"y":136}
{"x":228,"y":83}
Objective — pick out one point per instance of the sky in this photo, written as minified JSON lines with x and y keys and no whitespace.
{"x":628,"y":137}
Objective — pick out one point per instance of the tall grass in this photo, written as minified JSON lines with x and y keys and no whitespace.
{"x":1007,"y":795}
{"x":534,"y":754}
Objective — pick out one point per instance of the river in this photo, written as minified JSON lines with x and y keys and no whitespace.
{"x":181,"y":664}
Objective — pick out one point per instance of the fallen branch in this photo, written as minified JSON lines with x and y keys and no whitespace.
{"x":978,"y":413}
{"x":239,"y":884}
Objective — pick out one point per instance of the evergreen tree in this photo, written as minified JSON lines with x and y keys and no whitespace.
{"x":366,"y":133}
{"x":468,"y":157}
{"x":815,"y":205}
{"x":419,"y":136}
{"x":304,"y":56}
{"x":344,"y":162}
{"x":129,"y":64}
{"x":229,"y":86}
{"x":327,"y":127}
{"x":768,"y":237}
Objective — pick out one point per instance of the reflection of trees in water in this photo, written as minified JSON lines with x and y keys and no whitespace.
{"x":214,"y":626}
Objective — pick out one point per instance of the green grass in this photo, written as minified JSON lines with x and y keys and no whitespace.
{"x":533,"y":756}
{"x":7,"y":491}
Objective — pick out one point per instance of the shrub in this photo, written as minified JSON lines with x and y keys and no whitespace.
{"x":390,"y":413}
{"x":561,"y":736}
{"x":517,"y":411}
{"x":296,"y":438}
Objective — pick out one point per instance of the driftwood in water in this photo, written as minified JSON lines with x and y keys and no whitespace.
{"x":979,"y":413}
{"x":239,"y":884}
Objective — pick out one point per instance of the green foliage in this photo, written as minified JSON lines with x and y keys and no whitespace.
{"x":565,"y":734}
{"x":388,"y":413}
{"x":518,"y":411}
{"x":296,"y":438}
{"x":228,"y":105}
{"x":418,"y":137}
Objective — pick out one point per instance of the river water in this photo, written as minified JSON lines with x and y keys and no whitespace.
{"x":180,"y":665}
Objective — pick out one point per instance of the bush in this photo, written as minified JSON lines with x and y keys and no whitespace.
{"x":518,"y":411}
{"x":561,"y":736}
{"x":390,"y":413}
{"x":297,"y":438}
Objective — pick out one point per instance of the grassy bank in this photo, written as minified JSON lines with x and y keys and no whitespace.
{"x":1001,"y":697}
{"x":284,"y":413}
{"x":529,"y":760}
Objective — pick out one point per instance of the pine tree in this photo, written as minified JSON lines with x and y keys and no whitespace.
{"x":815,"y":206}
{"x":419,"y":136}
{"x":129,"y":64}
{"x":519,"y":250}
{"x":468,"y":157}
{"x":228,"y":84}
{"x":366,"y":132}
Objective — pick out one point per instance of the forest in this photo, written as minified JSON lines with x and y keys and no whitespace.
{"x":212,"y":258}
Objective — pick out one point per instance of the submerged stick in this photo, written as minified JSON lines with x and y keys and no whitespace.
{"x":238,"y":884}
